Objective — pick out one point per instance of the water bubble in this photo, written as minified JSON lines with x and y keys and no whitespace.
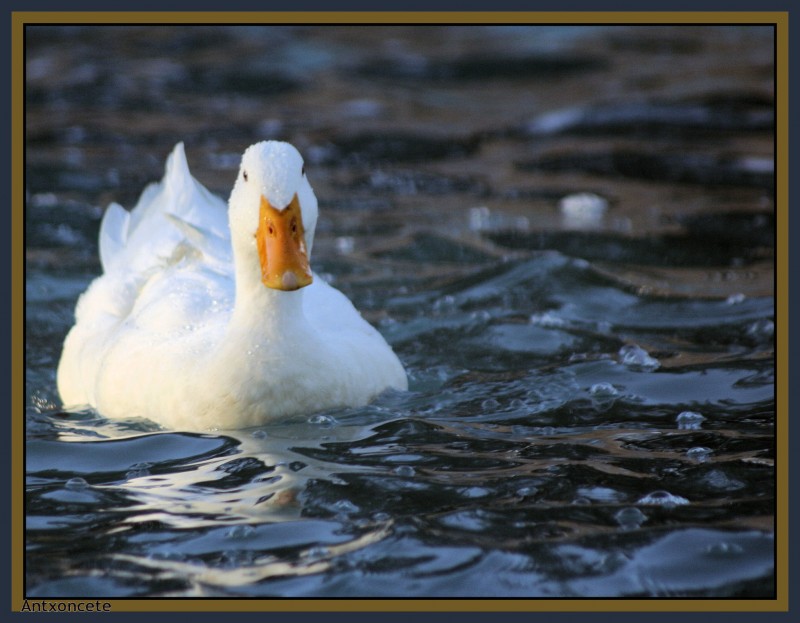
{"x":637,"y":358}
{"x":239,"y":532}
{"x":517,"y":403}
{"x":603,"y":390}
{"x":735,"y":299}
{"x":724,"y":549}
{"x":76,"y":484}
{"x":317,"y":552}
{"x":761,"y":329}
{"x":663,"y":498}
{"x":581,"y":501}
{"x":404,"y":470}
{"x":323,"y":420}
{"x":237,"y":558}
{"x":474,"y":492}
{"x":582,"y":210}
{"x":41,"y":403}
{"x":138,"y":470}
{"x":489,"y":404}
{"x":480,"y":316}
{"x":533,"y":395}
{"x":346,"y":507}
{"x":630,"y":518}
{"x":259,"y":434}
{"x":446,"y":302}
{"x":717,"y":479}
{"x":476,"y":520}
{"x":601,"y":494}
{"x":699,"y":453}
{"x":527,"y":492}
{"x":612,"y":562}
{"x":547,"y":320}
{"x":689,"y":420}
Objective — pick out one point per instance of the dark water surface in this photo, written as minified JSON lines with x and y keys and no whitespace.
{"x":592,"y":406}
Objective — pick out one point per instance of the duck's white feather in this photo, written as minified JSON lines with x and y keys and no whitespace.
{"x":174,"y":331}
{"x":113,"y":233}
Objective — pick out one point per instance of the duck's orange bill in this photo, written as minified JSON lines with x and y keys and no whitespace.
{"x":282,"y":247}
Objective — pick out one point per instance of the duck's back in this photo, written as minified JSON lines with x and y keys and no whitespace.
{"x":166,"y":267}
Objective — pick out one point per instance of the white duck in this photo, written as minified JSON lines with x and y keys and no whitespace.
{"x":207,"y":318}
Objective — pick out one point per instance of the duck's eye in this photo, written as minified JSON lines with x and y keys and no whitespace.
{"x":294,"y":227}
{"x":244,"y":175}
{"x":303,"y":171}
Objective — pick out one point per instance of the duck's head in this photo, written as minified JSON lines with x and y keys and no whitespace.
{"x":273,"y":209}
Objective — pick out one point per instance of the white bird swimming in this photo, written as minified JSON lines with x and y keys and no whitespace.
{"x":209,"y":318}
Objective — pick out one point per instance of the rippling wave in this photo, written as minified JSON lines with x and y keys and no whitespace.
{"x":530,"y":457}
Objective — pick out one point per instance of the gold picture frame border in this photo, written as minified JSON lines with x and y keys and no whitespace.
{"x":780,"y":20}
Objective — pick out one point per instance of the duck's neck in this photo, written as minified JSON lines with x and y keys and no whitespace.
{"x":259,"y":310}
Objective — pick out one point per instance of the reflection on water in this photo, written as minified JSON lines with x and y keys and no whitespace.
{"x":582,"y":296}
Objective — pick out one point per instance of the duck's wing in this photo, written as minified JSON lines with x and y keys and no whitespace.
{"x":355,"y":343}
{"x":176,"y":211}
{"x":176,"y":221}
{"x":167,"y":264}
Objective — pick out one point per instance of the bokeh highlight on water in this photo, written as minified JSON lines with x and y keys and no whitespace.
{"x":566,"y":233}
